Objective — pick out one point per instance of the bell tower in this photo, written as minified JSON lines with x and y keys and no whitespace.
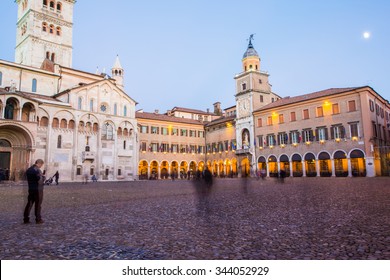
{"x":44,"y":31}
{"x":253,"y":91}
{"x":117,"y":73}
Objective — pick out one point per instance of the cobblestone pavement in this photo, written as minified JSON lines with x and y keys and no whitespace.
{"x":304,"y":218}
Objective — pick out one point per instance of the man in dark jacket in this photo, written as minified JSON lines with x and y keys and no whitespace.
{"x":35,"y":180}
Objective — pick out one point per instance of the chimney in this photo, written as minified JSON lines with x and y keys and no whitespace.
{"x":208,"y":110}
{"x":156,"y":111}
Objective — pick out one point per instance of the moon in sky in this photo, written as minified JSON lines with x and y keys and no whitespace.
{"x":366,"y":35}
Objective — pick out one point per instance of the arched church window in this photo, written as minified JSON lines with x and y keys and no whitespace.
{"x":80,"y":103}
{"x":115,"y":109}
{"x":44,"y":26}
{"x":34,"y":85}
{"x":48,"y":55}
{"x":125,"y":111}
{"x":63,"y":123}
{"x":1,"y":78}
{"x":71,"y":124}
{"x":51,"y":29}
{"x":53,"y":56}
{"x":58,"y":31}
{"x":44,"y":122}
{"x":52,"y":5}
{"x":91,"y":105}
{"x":59,"y":7}
{"x":107,"y":132}
{"x":55,"y":123}
{"x":45,"y":3}
{"x":95,"y":127}
{"x":9,"y":110}
{"x":59,"y":141}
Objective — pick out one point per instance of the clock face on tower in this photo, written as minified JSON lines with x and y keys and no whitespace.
{"x":243,"y":107}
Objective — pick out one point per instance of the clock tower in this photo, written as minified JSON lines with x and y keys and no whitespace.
{"x":44,"y":31}
{"x":252,"y":92}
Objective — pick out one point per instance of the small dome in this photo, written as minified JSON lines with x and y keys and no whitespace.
{"x":250,"y":51}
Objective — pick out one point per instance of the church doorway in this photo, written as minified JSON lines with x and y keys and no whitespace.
{"x":15,"y":151}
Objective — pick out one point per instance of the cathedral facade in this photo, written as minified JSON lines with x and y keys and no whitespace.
{"x":79,"y":123}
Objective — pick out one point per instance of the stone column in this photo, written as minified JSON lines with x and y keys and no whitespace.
{"x":291,"y":169}
{"x":349,"y":167}
{"x":303,"y":168}
{"x":318,"y":168}
{"x":333,"y":169}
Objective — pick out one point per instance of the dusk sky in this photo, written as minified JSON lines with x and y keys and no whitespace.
{"x":186,"y":53}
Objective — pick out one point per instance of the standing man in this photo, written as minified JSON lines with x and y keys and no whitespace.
{"x":35,"y":180}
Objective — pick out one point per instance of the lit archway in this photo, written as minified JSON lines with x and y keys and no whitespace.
{"x":153,"y":170}
{"x":325,"y":164}
{"x":310,"y":165}
{"x":245,"y":168}
{"x":272,"y":166}
{"x":201,"y":166}
{"x":340,"y":164}
{"x":221,"y":171}
{"x":358,"y":163}
{"x":285,"y":164}
{"x":234,"y":167}
{"x":183,"y":169}
{"x":164,"y":170}
{"x":143,"y":170}
{"x":174,"y":169}
{"x":296,"y":161}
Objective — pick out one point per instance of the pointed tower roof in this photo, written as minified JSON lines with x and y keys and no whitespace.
{"x":117,"y":64}
{"x":251,"y":50}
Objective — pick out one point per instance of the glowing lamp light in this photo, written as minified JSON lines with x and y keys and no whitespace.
{"x":337,"y":140}
{"x":354,"y":138}
{"x":308,"y":142}
{"x":295,"y":144}
{"x":283,"y":145}
{"x":322,"y":141}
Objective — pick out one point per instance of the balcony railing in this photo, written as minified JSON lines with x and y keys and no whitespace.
{"x":88,"y":156}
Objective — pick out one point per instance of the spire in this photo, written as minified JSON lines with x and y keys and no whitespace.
{"x":251,"y":50}
{"x":117,"y":64}
{"x":250,"y":59}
